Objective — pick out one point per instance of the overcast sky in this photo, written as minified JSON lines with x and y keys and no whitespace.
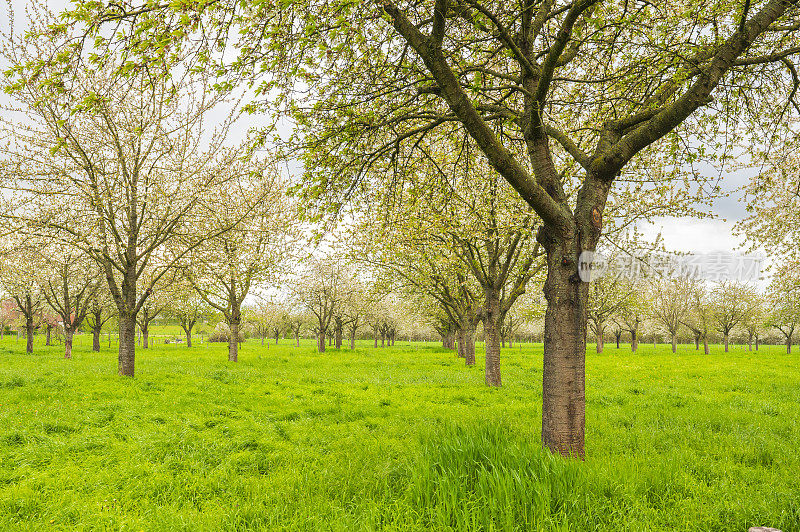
{"x":680,"y":234}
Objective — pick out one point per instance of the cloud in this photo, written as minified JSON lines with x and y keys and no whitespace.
{"x":699,"y":236}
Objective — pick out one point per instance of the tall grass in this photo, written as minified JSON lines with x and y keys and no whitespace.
{"x":402,"y":438}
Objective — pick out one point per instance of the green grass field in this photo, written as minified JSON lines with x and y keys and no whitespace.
{"x":398,"y":438}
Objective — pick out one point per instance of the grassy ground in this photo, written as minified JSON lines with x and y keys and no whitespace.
{"x":400,"y":438}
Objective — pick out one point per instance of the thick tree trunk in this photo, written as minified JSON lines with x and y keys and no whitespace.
{"x":469,"y":346}
{"x":674,"y":343}
{"x":353,"y":339}
{"x":338,"y":333}
{"x":510,"y":340}
{"x":29,"y":335}
{"x":492,"y":324}
{"x":563,"y":375}
{"x":297,"y":339}
{"x":68,"y":334}
{"x":96,"y":338}
{"x":705,"y":344}
{"x":127,"y":345}
{"x":725,"y":339}
{"x":189,"y":337}
{"x":789,"y":346}
{"x":617,"y":336}
{"x":321,"y":342}
{"x":233,"y":341}
{"x":466,"y":341}
{"x":634,"y":341}
{"x":460,"y":342}
{"x":697,"y":343}
{"x":756,"y":342}
{"x":146,"y":336}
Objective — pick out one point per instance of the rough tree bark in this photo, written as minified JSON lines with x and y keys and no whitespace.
{"x":492,"y":323}
{"x":29,"y":327}
{"x":233,"y":340}
{"x":68,"y":334}
{"x":599,"y":343}
{"x":563,"y":396}
{"x":96,"y":337}
{"x":338,"y":333}
{"x":127,"y":344}
{"x":466,"y":341}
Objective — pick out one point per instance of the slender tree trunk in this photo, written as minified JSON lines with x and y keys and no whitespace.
{"x":96,"y":338}
{"x":233,"y":341}
{"x":511,"y":340}
{"x":617,"y":337}
{"x":68,"y":333}
{"x":600,"y":340}
{"x":189,"y":336}
{"x":788,"y":345}
{"x":725,"y":339}
{"x":696,"y":342}
{"x":49,"y":329}
{"x":756,"y":343}
{"x":460,"y":347}
{"x":634,"y":341}
{"x":146,"y":336}
{"x":297,"y":339}
{"x":563,"y":375}
{"x":127,"y":345}
{"x":492,"y":324}
{"x":352,"y":339}
{"x":674,"y":343}
{"x":29,"y":334}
